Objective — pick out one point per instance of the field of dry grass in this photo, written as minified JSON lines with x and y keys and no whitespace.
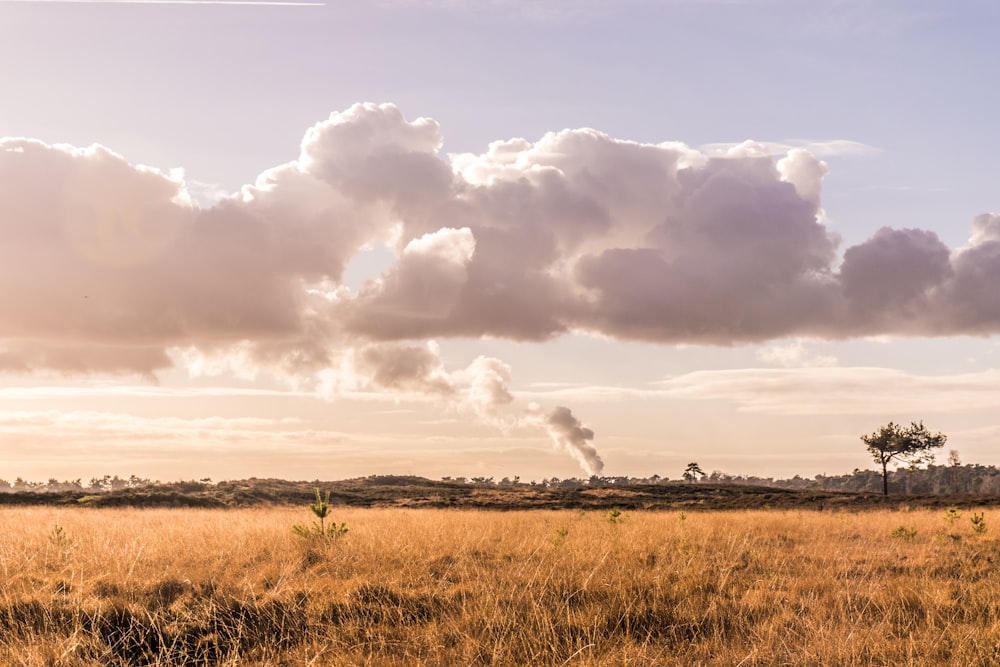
{"x":439,"y":587}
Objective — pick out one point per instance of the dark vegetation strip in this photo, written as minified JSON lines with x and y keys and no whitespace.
{"x":417,"y":492}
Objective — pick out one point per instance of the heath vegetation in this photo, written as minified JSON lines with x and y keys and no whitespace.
{"x":117,"y":587}
{"x":931,"y":487}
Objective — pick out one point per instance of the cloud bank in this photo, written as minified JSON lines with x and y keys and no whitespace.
{"x":110,"y":267}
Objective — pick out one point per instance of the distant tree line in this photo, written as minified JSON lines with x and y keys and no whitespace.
{"x":954,"y":478}
{"x":95,"y":485}
{"x":970,"y":478}
{"x":940,"y":479}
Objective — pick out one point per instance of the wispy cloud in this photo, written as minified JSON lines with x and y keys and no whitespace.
{"x":556,"y":9}
{"x":140,"y":391}
{"x":841,"y":391}
{"x":592,"y":393}
{"x":95,"y":426}
{"x":818,"y":147}
{"x":814,"y":390}
{"x":841,"y":19}
{"x":793,"y":354}
{"x":264,"y":3}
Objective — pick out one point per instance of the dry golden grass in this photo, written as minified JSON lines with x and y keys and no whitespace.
{"x":437,"y":587}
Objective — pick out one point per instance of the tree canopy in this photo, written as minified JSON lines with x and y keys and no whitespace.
{"x":894,"y":443}
{"x":693,"y":472}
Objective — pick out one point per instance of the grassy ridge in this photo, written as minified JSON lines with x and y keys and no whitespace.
{"x":430,"y":587}
{"x":416,"y":492}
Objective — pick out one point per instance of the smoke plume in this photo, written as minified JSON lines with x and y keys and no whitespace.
{"x":569,"y":434}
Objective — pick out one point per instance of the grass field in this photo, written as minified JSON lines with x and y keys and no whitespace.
{"x":441,"y":587}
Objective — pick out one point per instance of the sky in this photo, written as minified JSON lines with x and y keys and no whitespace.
{"x":542,"y":238}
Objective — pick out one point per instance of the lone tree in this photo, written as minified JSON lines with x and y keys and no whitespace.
{"x":693,"y":472}
{"x":897,"y":444}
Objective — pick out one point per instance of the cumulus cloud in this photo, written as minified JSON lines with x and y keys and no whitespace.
{"x":893,"y":274}
{"x":110,"y":267}
{"x":969,"y":301}
{"x":803,"y":170}
{"x":424,"y":285}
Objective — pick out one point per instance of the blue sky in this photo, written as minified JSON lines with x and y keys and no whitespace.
{"x":897,"y":98}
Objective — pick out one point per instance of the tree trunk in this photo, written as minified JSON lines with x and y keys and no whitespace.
{"x":885,"y":478}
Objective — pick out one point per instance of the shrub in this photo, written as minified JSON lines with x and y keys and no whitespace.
{"x":904,"y":533}
{"x":321,"y":508}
